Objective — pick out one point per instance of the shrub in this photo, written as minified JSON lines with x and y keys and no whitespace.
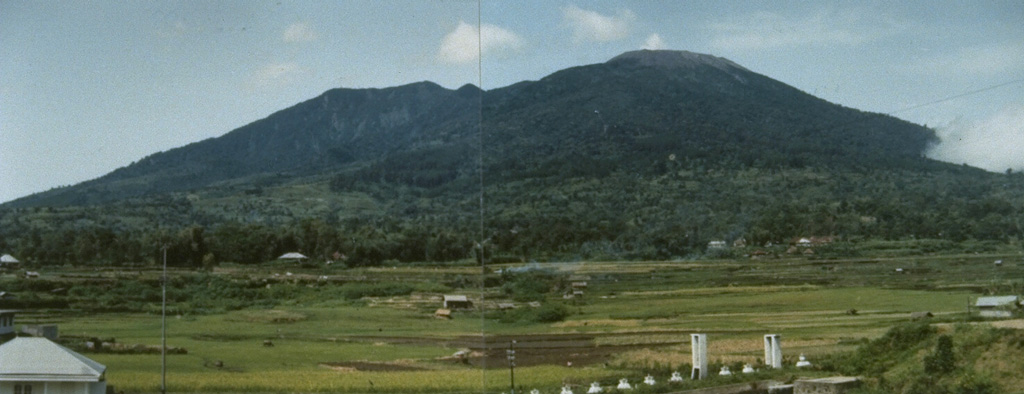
{"x":941,"y":361}
{"x":550,"y":313}
{"x":972,"y":383}
{"x":877,"y":356}
{"x":355,"y":291}
{"x":530,"y":285}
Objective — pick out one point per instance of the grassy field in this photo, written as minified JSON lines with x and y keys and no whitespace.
{"x":633,"y":319}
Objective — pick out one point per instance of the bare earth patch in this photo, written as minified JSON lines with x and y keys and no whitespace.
{"x":351,"y":366}
{"x":1016,"y":324}
{"x":268,"y":316}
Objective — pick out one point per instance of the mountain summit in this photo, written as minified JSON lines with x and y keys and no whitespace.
{"x":664,"y":58}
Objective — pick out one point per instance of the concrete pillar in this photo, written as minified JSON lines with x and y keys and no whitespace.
{"x":773,"y":351}
{"x":699,"y":346}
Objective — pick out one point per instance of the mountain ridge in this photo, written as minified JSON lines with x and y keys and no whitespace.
{"x":344,"y":125}
{"x":647,"y":156}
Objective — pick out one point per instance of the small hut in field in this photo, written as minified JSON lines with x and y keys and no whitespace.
{"x":456,"y":302}
{"x":293,"y":256}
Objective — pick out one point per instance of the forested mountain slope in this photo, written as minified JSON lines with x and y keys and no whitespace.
{"x":649,"y":155}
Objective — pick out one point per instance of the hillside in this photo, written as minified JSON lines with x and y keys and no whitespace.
{"x":341,"y":127}
{"x":942,"y":358}
{"x":647,"y":156}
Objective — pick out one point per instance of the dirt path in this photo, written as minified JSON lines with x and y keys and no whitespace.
{"x":1016,"y":323}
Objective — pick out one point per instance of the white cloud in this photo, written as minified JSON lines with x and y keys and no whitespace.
{"x":591,"y":26}
{"x":299,"y":32}
{"x":769,"y":30}
{"x":654,"y":42}
{"x":274,"y":75}
{"x":994,"y":144}
{"x":462,"y":46}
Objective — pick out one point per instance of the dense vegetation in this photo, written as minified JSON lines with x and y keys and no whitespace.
{"x":914,"y":359}
{"x":668,"y":216}
{"x":648,"y":156}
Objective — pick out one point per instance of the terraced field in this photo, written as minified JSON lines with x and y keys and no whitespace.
{"x":632,"y":319}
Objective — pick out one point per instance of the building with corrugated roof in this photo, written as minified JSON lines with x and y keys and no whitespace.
{"x":998,"y":306}
{"x":38,"y":365}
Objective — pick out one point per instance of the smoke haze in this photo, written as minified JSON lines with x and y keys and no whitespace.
{"x":996,"y":144}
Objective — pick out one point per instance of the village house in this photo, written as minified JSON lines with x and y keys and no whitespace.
{"x":998,"y":306}
{"x":39,"y":366}
{"x":812,"y":241}
{"x":456,"y":301}
{"x":8,"y":262}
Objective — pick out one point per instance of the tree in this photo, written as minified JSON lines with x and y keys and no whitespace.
{"x":942,"y":360}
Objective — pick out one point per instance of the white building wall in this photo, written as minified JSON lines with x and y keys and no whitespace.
{"x":97,"y":387}
{"x":7,"y":387}
{"x":995,"y":313}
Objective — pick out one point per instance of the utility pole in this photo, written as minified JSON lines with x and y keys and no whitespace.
{"x":512,"y":364}
{"x":163,"y":330}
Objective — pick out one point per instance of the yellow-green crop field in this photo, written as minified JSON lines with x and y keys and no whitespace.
{"x":633,"y":319}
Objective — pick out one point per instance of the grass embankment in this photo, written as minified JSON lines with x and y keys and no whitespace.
{"x":938,"y":359}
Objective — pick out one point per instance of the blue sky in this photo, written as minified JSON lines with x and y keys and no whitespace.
{"x":87,"y":87}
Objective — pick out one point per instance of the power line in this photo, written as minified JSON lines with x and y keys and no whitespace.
{"x":954,"y":97}
{"x":866,"y":115}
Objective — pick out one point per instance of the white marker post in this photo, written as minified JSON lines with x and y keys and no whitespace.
{"x":699,"y":346}
{"x":773,"y":351}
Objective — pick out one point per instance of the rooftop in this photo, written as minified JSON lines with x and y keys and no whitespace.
{"x":39,"y":359}
{"x":997,"y":300}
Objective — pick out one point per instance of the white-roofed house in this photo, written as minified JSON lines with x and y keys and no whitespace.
{"x":998,"y":306}
{"x":8,"y":262}
{"x":292,"y":256}
{"x":40,"y":366}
